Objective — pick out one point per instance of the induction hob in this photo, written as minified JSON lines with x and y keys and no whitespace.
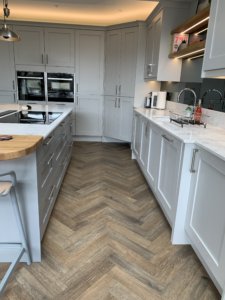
{"x":30,"y":117}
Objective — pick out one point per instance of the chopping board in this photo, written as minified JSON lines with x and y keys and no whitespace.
{"x":18,"y":146}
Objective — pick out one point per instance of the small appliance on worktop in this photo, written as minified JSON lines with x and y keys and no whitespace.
{"x":28,"y":117}
{"x":156,"y":100}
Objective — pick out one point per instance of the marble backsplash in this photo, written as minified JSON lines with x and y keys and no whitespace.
{"x":212,"y":117}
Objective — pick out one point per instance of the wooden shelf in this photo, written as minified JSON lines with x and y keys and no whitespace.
{"x":192,"y":21}
{"x":199,"y":47}
{"x":189,"y":49}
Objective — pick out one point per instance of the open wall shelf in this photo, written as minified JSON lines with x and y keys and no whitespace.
{"x":191,"y":26}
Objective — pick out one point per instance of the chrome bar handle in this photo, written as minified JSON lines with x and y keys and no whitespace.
{"x":120,"y":89}
{"x":146,"y":129}
{"x":118,"y":102}
{"x":77,"y":100}
{"x":77,"y":87}
{"x":166,"y":138}
{"x":115,"y":102}
{"x":13,"y":84}
{"x":116,"y":89}
{"x":46,"y":59}
{"x":195,"y":151}
{"x":42,"y":59}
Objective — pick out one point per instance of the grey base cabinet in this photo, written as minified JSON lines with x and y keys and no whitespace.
{"x":205,"y":224}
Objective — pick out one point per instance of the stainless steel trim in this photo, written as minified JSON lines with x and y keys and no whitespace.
{"x":166,"y":138}
{"x":67,"y":79}
{"x":29,"y":77}
{"x":45,"y":86}
{"x":192,"y":170}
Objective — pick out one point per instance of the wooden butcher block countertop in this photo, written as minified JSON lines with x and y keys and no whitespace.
{"x":19,"y":146}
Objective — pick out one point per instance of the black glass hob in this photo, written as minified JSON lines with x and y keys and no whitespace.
{"x":29,"y":117}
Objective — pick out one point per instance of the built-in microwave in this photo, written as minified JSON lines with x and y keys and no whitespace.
{"x":31,"y":86}
{"x":60,"y":87}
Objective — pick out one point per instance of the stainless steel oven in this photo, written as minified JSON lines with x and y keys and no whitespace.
{"x":31,"y":86}
{"x":60,"y":87}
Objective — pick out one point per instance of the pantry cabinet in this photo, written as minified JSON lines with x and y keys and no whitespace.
{"x":214,"y":58}
{"x":205,"y":223}
{"x":120,"y":62}
{"x":118,"y":116}
{"x":89,"y":62}
{"x":7,"y":75}
{"x":44,"y":47}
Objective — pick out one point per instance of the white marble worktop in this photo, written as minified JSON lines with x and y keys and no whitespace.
{"x":211,"y":138}
{"x":33,"y":129}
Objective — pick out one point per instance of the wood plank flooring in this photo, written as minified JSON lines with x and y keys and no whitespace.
{"x":108,"y":239}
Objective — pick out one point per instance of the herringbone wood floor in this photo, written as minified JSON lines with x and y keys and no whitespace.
{"x":108,"y":239}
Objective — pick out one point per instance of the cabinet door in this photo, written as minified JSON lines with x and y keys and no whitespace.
{"x":89,"y":61}
{"x":156,"y":44}
{"x":149,"y":51}
{"x":111,"y":117}
{"x":153,"y":45}
{"x":125,"y":111}
{"x":59,"y":47}
{"x":145,"y":138}
{"x":112,"y":62}
{"x":7,"y":97}
{"x":136,"y":142}
{"x":30,"y":50}
{"x":128,"y":62}
{"x":205,"y":223}
{"x":7,"y":75}
{"x":153,"y":155}
{"x":88,"y":116}
{"x":168,"y":176}
{"x":214,"y":58}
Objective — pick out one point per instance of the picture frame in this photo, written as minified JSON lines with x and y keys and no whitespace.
{"x":202,"y":4}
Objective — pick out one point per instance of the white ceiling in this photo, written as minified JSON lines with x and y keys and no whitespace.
{"x":90,"y":12}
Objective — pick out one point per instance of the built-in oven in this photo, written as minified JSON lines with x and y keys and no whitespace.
{"x":60,"y":87}
{"x":31,"y":86}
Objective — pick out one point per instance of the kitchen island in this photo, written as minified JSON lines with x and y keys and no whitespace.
{"x":39,"y":172}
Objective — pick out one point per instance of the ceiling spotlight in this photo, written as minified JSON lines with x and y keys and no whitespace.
{"x":6,"y":34}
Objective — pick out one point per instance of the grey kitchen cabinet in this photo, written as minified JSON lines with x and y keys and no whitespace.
{"x":89,"y":82}
{"x":164,"y":161}
{"x":120,"y":62}
{"x":117,"y":120}
{"x":89,"y":62}
{"x":205,"y":222}
{"x":119,"y":82}
{"x":7,"y":74}
{"x":44,"y":48}
{"x":169,"y":174}
{"x":158,"y":66}
{"x":214,"y":57}
{"x":88,"y":119}
{"x":53,"y":157}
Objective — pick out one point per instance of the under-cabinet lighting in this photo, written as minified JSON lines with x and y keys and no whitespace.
{"x":197,"y":56}
{"x":197,"y":33}
{"x":193,"y":26}
{"x":188,"y":54}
